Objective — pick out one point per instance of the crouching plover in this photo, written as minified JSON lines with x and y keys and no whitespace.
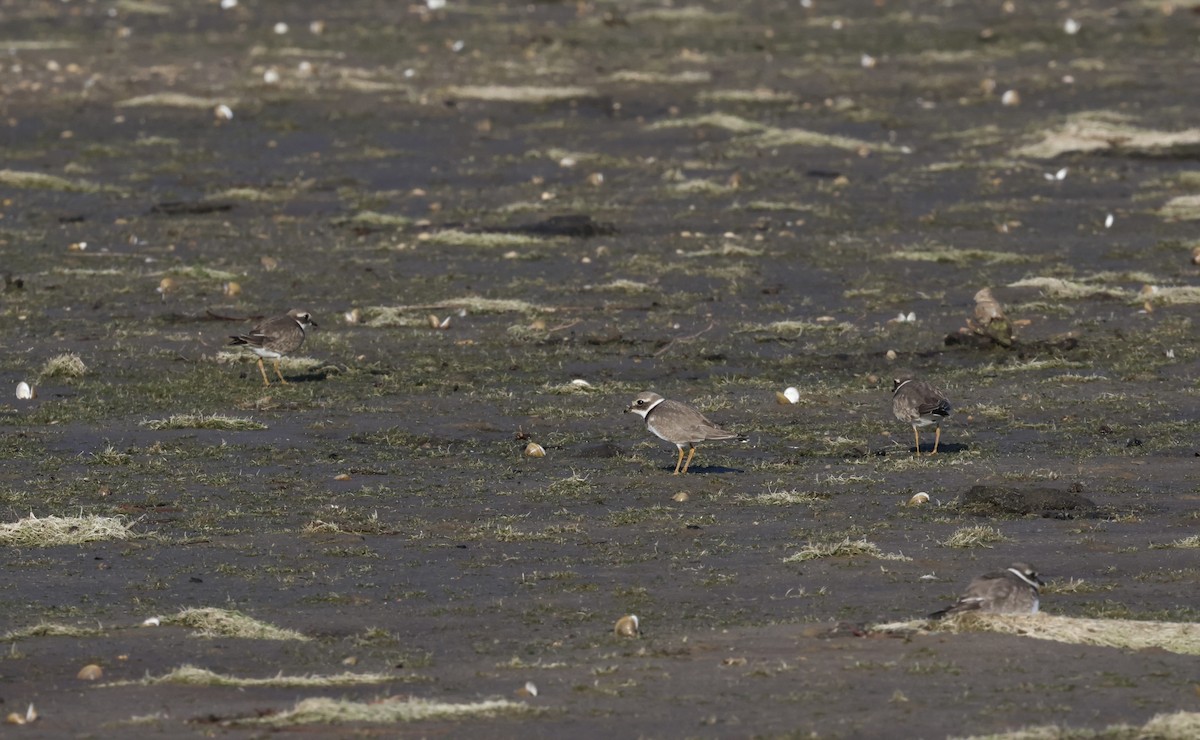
{"x":274,"y":338}
{"x":921,"y":405}
{"x":1011,"y":591}
{"x":676,"y":423}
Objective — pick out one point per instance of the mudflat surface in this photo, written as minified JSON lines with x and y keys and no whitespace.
{"x":757,"y":191}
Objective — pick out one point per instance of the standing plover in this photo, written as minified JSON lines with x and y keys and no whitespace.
{"x":921,"y":405}
{"x":274,"y":338}
{"x":676,"y":423}
{"x":1011,"y":591}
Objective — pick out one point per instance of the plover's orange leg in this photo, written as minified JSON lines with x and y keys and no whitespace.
{"x":281,"y":380}
{"x":679,"y":461}
{"x":263,"y":370}
{"x":691,"y":452}
{"x":917,"y":437}
{"x":937,"y":437}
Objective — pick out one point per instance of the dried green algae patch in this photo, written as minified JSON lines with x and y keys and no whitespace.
{"x":324,"y":711}
{"x":1176,"y":637}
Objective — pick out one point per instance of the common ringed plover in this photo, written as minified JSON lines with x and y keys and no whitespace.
{"x":921,"y":405}
{"x":275,"y":337}
{"x":1011,"y":591}
{"x":676,"y":423}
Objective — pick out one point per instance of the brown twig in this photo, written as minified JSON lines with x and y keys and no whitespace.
{"x":688,"y":338}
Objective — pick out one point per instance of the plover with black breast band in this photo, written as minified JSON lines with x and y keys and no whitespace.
{"x":677,"y":423}
{"x":275,"y":337}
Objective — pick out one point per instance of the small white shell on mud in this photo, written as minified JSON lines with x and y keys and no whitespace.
{"x":90,"y":672}
{"x":680,"y":497}
{"x":581,"y":383}
{"x":626,"y":626}
{"x":228,"y":4}
{"x":891,"y":355}
{"x":436,"y":323}
{"x":1010,"y":97}
{"x":151,"y":622}
{"x":25,"y":391}
{"x":316,"y":28}
{"x":1071,"y":26}
{"x":231,"y":289}
{"x":435,"y":4}
{"x":166,"y":285}
{"x":533,"y":449}
{"x":529,"y":689}
{"x":77,"y":247}
{"x":868,"y":61}
{"x":918,"y":499}
{"x":271,"y":76}
{"x":595,"y":179}
{"x":280,"y":28}
{"x":789,"y":396}
{"x":1108,"y":221}
{"x":352,"y":316}
{"x":223,"y":112}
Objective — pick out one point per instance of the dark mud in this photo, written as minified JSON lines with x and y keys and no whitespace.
{"x":666,"y":220}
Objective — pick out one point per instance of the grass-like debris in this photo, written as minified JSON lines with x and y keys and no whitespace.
{"x":1187,"y":543}
{"x":521,"y":94}
{"x":205,"y":421}
{"x":213,"y":622}
{"x":381,"y":316}
{"x":459,"y":238}
{"x":190,"y":675}
{"x":374,"y":218}
{"x":1061,"y":288}
{"x":200,"y":272}
{"x":174,"y":100}
{"x":955,"y":256}
{"x":1176,"y":726}
{"x":1108,"y":131}
{"x":321,"y":710}
{"x":66,"y":365}
{"x":977,"y":536}
{"x":1176,"y":637}
{"x":844,"y":549}
{"x":49,"y":629}
{"x":1182,"y":208}
{"x":286,"y":364}
{"x":52,"y":531}
{"x":42,"y":181}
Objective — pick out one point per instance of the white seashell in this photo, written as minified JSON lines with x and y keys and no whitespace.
{"x":918,"y":499}
{"x":353,"y":316}
{"x":271,"y":76}
{"x":25,"y":391}
{"x":90,"y":672}
{"x":680,"y":497}
{"x":280,"y":28}
{"x":1010,"y":97}
{"x":228,"y":4}
{"x":437,"y":5}
{"x":223,"y":112}
{"x":151,"y":622}
{"x":627,"y":626}
{"x":1108,"y":221}
{"x":790,"y":395}
{"x":531,"y":688}
{"x":1071,"y":26}
{"x":533,"y":449}
{"x":868,"y":61}
{"x":581,"y":383}
{"x":891,"y":354}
